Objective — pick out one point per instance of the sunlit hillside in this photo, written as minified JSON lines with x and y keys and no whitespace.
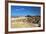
{"x":25,"y":22}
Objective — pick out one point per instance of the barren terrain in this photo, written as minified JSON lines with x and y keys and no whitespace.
{"x":25,"y":22}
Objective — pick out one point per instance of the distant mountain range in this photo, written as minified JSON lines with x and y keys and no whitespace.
{"x":24,"y":16}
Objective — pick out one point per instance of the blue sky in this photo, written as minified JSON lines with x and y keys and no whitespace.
{"x":25,"y":10}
